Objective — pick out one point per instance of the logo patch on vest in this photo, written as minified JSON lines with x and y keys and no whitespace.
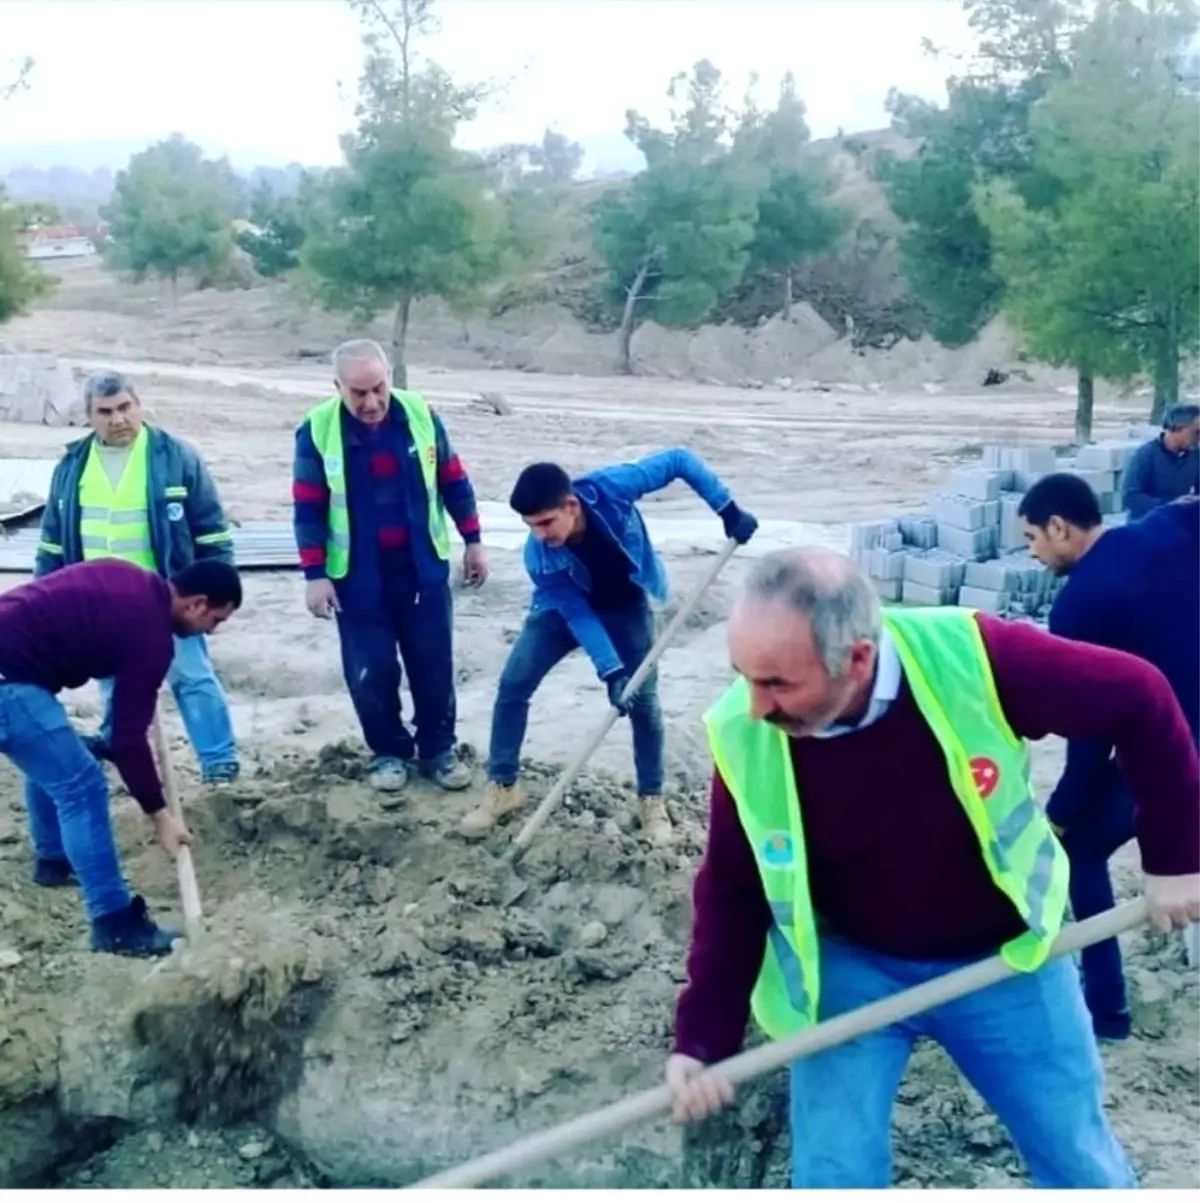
{"x":431,"y":453}
{"x":986,"y":773}
{"x":778,"y":850}
{"x":333,"y":466}
{"x":174,"y":511}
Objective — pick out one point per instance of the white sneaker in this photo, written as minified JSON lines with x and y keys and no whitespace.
{"x":388,"y":775}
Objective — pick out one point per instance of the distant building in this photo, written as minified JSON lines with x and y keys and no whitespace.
{"x":58,"y":242}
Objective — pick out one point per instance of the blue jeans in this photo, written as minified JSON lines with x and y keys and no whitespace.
{"x":201,"y":701}
{"x":546,"y":639}
{"x":418,"y":623}
{"x":1096,"y":833}
{"x":1025,"y":1044}
{"x":65,"y":792}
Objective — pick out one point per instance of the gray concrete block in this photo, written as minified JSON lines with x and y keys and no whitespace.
{"x":979,"y":484}
{"x":970,"y":544}
{"x":886,"y":565}
{"x":998,"y":576}
{"x":1100,"y":480}
{"x":987,"y":600}
{"x":889,"y":591}
{"x":935,"y":573}
{"x":917,"y":594}
{"x":919,"y":532}
{"x":1033,"y":461}
{"x":963,"y":512}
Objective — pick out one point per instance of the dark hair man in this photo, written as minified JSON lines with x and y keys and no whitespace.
{"x":1166,"y":467}
{"x":594,"y":571}
{"x":375,"y":486}
{"x":133,"y":491}
{"x":102,"y":620}
{"x":1135,"y":588}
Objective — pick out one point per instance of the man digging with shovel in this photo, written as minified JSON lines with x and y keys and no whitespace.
{"x":873,"y":827}
{"x":594,"y":571}
{"x":105,"y":619}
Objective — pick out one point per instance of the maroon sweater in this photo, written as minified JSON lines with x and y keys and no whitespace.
{"x":103,"y":618}
{"x":893,"y":862}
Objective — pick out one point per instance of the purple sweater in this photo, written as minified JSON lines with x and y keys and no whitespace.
{"x":103,"y":618}
{"x":893,"y":862}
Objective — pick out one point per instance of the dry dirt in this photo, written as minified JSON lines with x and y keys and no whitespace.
{"x":407,"y":1020}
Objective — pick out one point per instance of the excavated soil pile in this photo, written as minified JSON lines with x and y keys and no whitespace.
{"x":221,"y":1018}
{"x":364,"y":1011}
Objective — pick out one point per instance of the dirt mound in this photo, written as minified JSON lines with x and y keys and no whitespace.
{"x":221,"y":1017}
{"x":777,"y":348}
{"x":385,"y":1016}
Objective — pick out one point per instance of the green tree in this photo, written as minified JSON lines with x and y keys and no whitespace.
{"x":277,"y":231}
{"x":680,"y":235}
{"x":795,"y":218}
{"x":171,"y":214}
{"x":409,"y":215}
{"x":945,"y":249}
{"x":1106,"y":279}
{"x":21,"y":283}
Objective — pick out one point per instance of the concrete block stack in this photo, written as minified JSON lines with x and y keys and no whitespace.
{"x":968,"y":548}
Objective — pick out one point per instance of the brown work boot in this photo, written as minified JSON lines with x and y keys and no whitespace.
{"x":500,"y":801}
{"x":656,"y":823}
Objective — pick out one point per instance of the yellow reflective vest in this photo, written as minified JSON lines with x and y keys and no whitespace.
{"x":325,"y":423}
{"x":115,"y":520}
{"x":947,"y":669}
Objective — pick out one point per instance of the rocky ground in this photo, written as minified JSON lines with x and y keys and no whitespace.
{"x":368,"y":1005}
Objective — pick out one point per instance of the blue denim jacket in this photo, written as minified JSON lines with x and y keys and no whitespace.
{"x":562,"y":583}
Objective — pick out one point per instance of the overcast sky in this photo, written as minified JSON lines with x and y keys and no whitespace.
{"x":272,"y":81}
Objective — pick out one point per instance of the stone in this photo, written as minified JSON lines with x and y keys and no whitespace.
{"x":592,"y":934}
{"x":39,"y":389}
{"x":10,"y":958}
{"x":252,"y":1150}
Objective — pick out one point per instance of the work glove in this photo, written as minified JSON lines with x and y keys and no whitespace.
{"x":616,"y":683}
{"x":739,"y":525}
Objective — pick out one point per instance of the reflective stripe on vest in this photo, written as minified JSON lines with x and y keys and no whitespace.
{"x":115,"y":520}
{"x":947,"y":670}
{"x":325,"y":423}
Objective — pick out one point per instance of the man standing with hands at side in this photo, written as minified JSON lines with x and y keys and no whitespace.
{"x":375,"y":484}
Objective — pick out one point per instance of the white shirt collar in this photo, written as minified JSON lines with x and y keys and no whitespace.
{"x":888,"y":675}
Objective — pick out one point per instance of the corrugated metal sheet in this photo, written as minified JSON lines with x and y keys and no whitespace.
{"x":256,"y":545}
{"x":24,"y":487}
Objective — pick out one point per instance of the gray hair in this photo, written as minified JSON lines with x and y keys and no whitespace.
{"x":357,"y":350}
{"x":107,"y":384}
{"x":827,"y":588}
{"x":1180,"y":416}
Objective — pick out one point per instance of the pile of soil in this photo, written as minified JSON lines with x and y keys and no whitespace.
{"x":417,"y":1022}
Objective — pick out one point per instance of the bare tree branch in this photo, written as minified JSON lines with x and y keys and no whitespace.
{"x":7,"y":91}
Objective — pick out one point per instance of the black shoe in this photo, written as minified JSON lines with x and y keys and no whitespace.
{"x":1112,"y":1027}
{"x":54,"y":874}
{"x":132,"y":933}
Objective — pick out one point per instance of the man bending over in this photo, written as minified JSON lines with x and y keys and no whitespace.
{"x":594,"y":573}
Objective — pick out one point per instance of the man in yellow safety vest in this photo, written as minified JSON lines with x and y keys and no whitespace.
{"x":375,"y":486}
{"x":873,"y":826}
{"x":133,"y":492}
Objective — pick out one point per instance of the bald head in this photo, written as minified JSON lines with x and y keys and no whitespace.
{"x":364,"y":379}
{"x":804,"y":632}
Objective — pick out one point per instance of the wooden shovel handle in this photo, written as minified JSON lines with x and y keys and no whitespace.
{"x":189,"y":890}
{"x":553,"y":1142}
{"x":552,"y":800}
